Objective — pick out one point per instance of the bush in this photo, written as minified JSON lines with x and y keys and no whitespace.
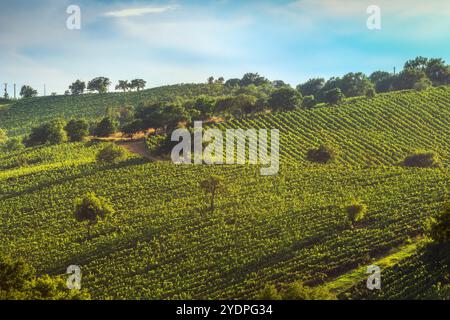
{"x":323,"y":154}
{"x":298,"y":291}
{"x":439,"y":228}
{"x":49,"y":133}
{"x":309,"y":102}
{"x":422,"y":160}
{"x":106,"y":127}
{"x":371,"y":93}
{"x":111,"y":154}
{"x":356,"y":212}
{"x":269,"y":292}
{"x":77,"y":130}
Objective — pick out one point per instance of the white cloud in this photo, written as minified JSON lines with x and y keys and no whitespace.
{"x":135,"y":12}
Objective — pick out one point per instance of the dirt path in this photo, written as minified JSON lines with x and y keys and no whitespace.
{"x":138,"y":147}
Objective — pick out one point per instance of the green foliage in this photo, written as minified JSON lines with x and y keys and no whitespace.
{"x":323,"y":154}
{"x":133,"y":127}
{"x":77,"y":130}
{"x":213,"y":185}
{"x":334,"y":96}
{"x":370,"y":93}
{"x":49,"y":133}
{"x":253,"y":79}
{"x":112,"y":153}
{"x":12,"y":144}
{"x":439,"y":229}
{"x":99,"y":84}
{"x":309,"y":102}
{"x":422,"y":84}
{"x":18,"y":282}
{"x":298,"y":291}
{"x":77,"y":87}
{"x":312,"y":87}
{"x":422,"y":159}
{"x":285,"y":99}
{"x":355,"y":84}
{"x":106,"y":127}
{"x":269,"y":293}
{"x":28,"y":92}
{"x":3,"y":136}
{"x":356,"y":211}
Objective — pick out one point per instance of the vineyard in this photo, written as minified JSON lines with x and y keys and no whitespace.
{"x":164,"y":243}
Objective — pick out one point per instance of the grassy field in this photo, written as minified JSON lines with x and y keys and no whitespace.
{"x":164,"y":243}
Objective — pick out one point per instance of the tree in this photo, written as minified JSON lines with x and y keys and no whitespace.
{"x":77,"y":130}
{"x":91,"y":209}
{"x":133,"y":127}
{"x":253,"y":78}
{"x":213,"y":185}
{"x":438,"y":72}
{"x":99,"y":84}
{"x":205,"y":106}
{"x":419,"y":63}
{"x":269,"y":293}
{"x":110,"y":154}
{"x":323,"y":154}
{"x":106,"y":127}
{"x":235,"y":82}
{"x":422,"y":159}
{"x":408,"y":78}
{"x":439,"y":227}
{"x":28,"y":92}
{"x":309,"y":102}
{"x":355,"y":84}
{"x":123,"y":85}
{"x":220,"y":80}
{"x":77,"y":87}
{"x":279,"y":84}
{"x":334,"y":96}
{"x":422,"y":84}
{"x":210,"y":80}
{"x":138,"y":84}
{"x":312,"y":87}
{"x":382,"y":80}
{"x":49,"y":133}
{"x":285,"y":99}
{"x":18,"y":282}
{"x":371,"y":93}
{"x":356,"y":212}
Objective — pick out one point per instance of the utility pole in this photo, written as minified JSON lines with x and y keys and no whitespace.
{"x":5,"y":95}
{"x":45,"y":92}
{"x":14,"y":91}
{"x":394,"y":71}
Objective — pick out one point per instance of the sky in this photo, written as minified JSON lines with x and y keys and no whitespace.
{"x":176,"y":41}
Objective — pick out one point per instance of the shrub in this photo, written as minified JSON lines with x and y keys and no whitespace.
{"x":422,"y":84}
{"x":77,"y":130}
{"x":111,"y":154}
{"x":356,"y":212}
{"x":323,"y":154}
{"x":49,"y":133}
{"x":371,"y":93}
{"x":422,"y":160}
{"x":106,"y":127}
{"x":269,"y":292}
{"x":298,"y":291}
{"x":309,"y":102}
{"x":439,"y":228}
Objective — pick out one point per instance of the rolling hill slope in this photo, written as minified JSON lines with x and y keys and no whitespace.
{"x":164,"y":243}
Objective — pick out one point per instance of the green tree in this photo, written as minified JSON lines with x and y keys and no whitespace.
{"x":235,"y":82}
{"x":123,"y":85}
{"x":99,"y":84}
{"x":51,"y":132}
{"x":106,"y":127}
{"x":133,"y":127}
{"x":111,"y":153}
{"x":270,"y":293}
{"x":438,"y":72}
{"x":28,"y":92}
{"x":355,"y":84}
{"x":298,"y":291}
{"x":77,"y":87}
{"x":356,"y":212}
{"x":77,"y":130}
{"x":253,"y":78}
{"x":285,"y":99}
{"x":138,"y":84}
{"x":213,"y":185}
{"x":91,"y":209}
{"x":439,"y":227}
{"x":422,"y":159}
{"x":309,"y":102}
{"x":408,"y":78}
{"x":334,"y":96}
{"x":312,"y":87}
{"x":323,"y":154}
{"x":382,"y":80}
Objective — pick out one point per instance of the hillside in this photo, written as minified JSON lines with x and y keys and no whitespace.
{"x":163,"y":243}
{"x":20,"y":116}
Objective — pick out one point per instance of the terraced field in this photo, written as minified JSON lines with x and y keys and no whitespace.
{"x":163,"y":243}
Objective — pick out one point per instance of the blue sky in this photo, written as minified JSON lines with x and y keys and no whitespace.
{"x":175,"y":41}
